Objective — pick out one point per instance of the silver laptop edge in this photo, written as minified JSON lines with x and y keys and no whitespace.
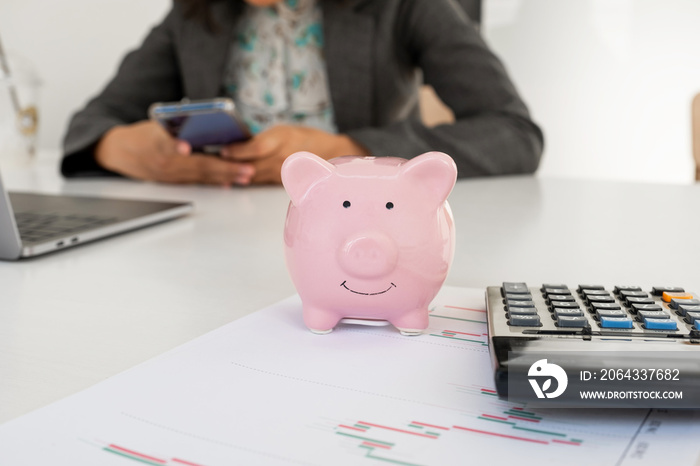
{"x":10,"y":243}
{"x":99,"y":233}
{"x":11,"y":246}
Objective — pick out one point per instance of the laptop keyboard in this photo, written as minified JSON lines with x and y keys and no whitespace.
{"x":36,"y":227}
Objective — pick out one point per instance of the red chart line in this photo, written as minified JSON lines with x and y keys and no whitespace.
{"x":566,"y":442}
{"x":429,"y":425}
{"x":502,"y":435}
{"x":397,"y":430}
{"x":187,"y":463}
{"x":371,"y":444}
{"x":351,"y":427}
{"x":495,"y":417}
{"x":466,"y":309}
{"x":524,"y":419}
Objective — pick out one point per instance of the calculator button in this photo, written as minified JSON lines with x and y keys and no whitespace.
{"x":560,"y":297}
{"x":567,"y":312}
{"x":551,"y":286}
{"x":652,"y":315}
{"x":522,"y":310}
{"x":596,"y":293}
{"x":600,"y":299}
{"x":688,"y":302}
{"x":616,"y":322}
{"x":572,"y":321}
{"x":524,"y":321}
{"x":659,"y":290}
{"x":633,"y":294}
{"x":631,"y":300}
{"x":518,"y":297}
{"x":646,"y":307}
{"x":684,"y":308}
{"x":626,"y":288}
{"x":515,"y":288}
{"x":596,"y":306}
{"x":660,"y":324}
{"x":697,"y":325}
{"x":557,"y":291}
{"x":611,"y":313}
{"x":668,"y":297}
{"x":692,"y":317}
{"x":518,"y":303}
{"x":564,"y":304}
{"x":581,"y":288}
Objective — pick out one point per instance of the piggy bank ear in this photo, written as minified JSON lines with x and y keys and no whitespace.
{"x":433,"y":171}
{"x":301,"y":172}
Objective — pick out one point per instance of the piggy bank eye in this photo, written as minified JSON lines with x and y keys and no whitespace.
{"x":346,"y":204}
{"x":389,"y":205}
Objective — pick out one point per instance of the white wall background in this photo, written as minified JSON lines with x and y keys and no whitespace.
{"x":75,"y":45}
{"x":610,"y":81}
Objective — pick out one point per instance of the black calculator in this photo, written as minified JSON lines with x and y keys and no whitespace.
{"x":586,"y":318}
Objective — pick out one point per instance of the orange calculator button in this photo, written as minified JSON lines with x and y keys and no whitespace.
{"x":667,"y":297}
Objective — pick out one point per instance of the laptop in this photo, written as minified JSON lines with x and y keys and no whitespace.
{"x":34,"y":224}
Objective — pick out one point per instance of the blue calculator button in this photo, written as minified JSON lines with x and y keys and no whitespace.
{"x":611,"y":313}
{"x":660,"y":324}
{"x":616,"y":322}
{"x":697,"y":325}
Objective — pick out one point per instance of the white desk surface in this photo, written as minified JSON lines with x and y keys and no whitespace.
{"x":73,"y":318}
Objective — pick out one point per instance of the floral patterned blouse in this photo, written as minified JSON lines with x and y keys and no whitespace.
{"x":276,"y":73}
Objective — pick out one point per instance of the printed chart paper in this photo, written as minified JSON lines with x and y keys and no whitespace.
{"x":264,"y":390}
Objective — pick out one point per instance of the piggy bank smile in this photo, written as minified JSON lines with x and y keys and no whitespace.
{"x":392,"y":285}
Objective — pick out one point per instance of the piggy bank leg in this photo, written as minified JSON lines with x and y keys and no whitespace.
{"x":320,"y":321}
{"x":412,"y":323}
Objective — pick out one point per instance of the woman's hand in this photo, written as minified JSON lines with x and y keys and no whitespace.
{"x":268,"y":150}
{"x":144,"y":150}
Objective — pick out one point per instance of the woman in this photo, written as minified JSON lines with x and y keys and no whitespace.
{"x":361,"y":62}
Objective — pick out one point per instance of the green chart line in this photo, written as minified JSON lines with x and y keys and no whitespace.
{"x":389,"y":444}
{"x":135,"y":458}
{"x":454,"y":338}
{"x":370,"y":454}
{"x":496,"y":420}
{"x":522,"y":414}
{"x":539,"y":431}
{"x":457,"y":318}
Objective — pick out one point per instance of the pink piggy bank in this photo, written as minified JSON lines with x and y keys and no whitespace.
{"x":368,"y":238}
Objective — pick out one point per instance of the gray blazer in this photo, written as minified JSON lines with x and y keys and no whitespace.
{"x":377,"y":53}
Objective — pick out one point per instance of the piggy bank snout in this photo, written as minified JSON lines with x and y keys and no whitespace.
{"x":368,"y":255}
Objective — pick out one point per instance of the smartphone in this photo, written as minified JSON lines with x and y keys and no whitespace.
{"x":206,"y":124}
